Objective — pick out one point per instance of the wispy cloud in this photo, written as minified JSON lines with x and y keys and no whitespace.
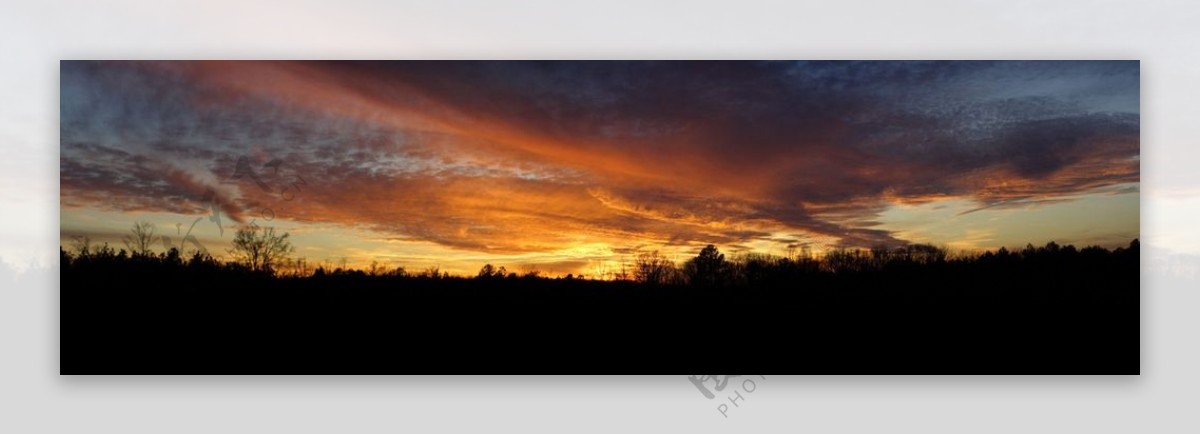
{"x":518,"y":157}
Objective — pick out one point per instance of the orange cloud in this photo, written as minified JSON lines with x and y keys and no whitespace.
{"x":521,"y":157}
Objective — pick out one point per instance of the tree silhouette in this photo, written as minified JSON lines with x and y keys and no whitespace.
{"x":709,"y":268}
{"x":140,"y":237}
{"x":434,"y":272}
{"x":259,"y":248}
{"x":653,"y":268}
{"x":488,"y":272}
{"x":82,"y":245}
{"x":892,"y":297}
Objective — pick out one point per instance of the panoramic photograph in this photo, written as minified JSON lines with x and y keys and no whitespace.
{"x":599,"y":217}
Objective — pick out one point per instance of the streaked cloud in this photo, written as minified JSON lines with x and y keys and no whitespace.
{"x":517,"y":158}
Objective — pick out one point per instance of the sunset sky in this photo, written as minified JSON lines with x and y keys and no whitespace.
{"x":573,"y":167}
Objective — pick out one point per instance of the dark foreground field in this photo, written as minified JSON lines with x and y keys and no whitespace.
{"x":1044,"y":311}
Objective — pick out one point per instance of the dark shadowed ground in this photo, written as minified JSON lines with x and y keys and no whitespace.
{"x":1040,"y":311}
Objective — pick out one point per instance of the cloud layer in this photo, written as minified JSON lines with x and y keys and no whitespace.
{"x":519,"y":157}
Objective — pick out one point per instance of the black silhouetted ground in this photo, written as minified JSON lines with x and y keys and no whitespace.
{"x":1050,"y":310}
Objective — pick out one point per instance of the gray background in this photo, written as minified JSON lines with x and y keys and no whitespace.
{"x":35,"y":35}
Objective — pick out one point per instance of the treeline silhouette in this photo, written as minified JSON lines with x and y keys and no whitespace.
{"x":709,"y":268}
{"x":911,"y":310}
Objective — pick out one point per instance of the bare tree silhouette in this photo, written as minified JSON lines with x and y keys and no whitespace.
{"x":653,"y":268}
{"x":82,"y":245}
{"x":260,"y":248}
{"x":140,"y":238}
